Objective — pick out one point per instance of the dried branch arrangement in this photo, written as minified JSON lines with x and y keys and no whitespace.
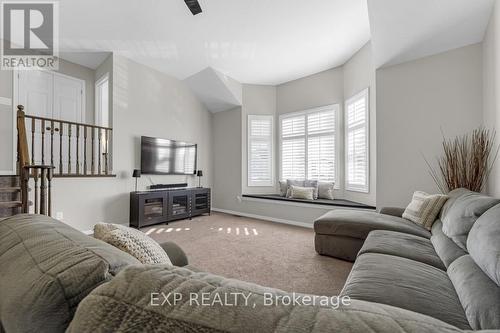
{"x":465,"y":162}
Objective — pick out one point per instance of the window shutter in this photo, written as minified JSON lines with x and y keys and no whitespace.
{"x":308,"y":144}
{"x":357,"y":163}
{"x":260,"y":150}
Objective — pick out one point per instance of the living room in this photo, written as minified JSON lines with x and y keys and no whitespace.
{"x":342,"y":149}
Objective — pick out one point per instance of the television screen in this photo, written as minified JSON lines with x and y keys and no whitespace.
{"x":167,"y":157}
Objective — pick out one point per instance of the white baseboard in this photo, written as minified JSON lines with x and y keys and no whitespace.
{"x":265,"y":218}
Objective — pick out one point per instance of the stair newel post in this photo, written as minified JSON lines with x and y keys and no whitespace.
{"x":35,"y":179}
{"x":43,"y":191}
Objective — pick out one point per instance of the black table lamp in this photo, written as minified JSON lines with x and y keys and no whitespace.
{"x":136,"y":174}
{"x":199,"y":173}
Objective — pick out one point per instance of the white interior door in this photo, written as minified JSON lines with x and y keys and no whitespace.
{"x":56,"y":96}
{"x":35,"y":92}
{"x":68,"y":106}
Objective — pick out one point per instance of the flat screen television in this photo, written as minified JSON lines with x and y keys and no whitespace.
{"x":167,"y":157}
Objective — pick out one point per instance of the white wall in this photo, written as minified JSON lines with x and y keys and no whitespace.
{"x":257,"y":100}
{"x":319,"y":89}
{"x":491,"y":89}
{"x":415,"y":102}
{"x":359,"y":74}
{"x":145,"y":102}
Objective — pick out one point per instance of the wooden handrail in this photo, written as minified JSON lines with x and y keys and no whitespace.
{"x":66,"y":122}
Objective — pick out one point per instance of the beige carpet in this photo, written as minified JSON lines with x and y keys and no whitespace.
{"x":270,"y":254}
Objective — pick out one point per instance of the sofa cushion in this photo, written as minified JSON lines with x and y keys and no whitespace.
{"x":445,"y":248}
{"x":358,"y":224}
{"x":402,"y":245}
{"x":461,"y":215}
{"x":124,"y":305}
{"x":47,"y":268}
{"x":480,"y":297}
{"x":484,"y":243}
{"x":407,"y":284}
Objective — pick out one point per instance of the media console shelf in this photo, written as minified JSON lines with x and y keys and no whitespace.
{"x":163,"y":206}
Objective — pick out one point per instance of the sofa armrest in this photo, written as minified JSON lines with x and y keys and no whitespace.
{"x":393,"y":211}
{"x":175,"y":253}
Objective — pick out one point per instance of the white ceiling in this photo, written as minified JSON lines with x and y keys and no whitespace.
{"x":404,"y":30}
{"x":252,"y":41}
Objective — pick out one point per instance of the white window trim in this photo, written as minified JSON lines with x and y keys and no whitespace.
{"x":336,"y":108}
{"x":272,"y":182}
{"x":357,"y":188}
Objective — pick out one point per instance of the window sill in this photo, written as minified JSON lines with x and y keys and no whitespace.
{"x":318,"y":203}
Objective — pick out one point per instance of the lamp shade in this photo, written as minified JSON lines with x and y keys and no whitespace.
{"x":136,"y":173}
{"x":199,"y":173}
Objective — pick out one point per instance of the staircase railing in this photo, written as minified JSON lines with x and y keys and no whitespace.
{"x":59,"y":148}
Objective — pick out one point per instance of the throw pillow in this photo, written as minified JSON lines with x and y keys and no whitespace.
{"x":132,"y":241}
{"x":424,"y":208}
{"x":283,"y":188}
{"x":290,"y":182}
{"x":325,"y":190}
{"x":313,"y":184}
{"x":299,"y":192}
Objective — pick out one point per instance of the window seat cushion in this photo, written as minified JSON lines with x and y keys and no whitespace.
{"x":334,"y":202}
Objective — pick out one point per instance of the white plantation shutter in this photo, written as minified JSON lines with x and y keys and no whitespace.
{"x":260,"y":150}
{"x":308,"y":144}
{"x":356,"y":137}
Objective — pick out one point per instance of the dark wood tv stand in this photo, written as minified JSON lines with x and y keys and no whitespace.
{"x":163,"y":206}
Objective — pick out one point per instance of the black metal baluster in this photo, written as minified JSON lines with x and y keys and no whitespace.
{"x":93,"y":153}
{"x":61,"y":129}
{"x":69,"y":148}
{"x":33,"y":128}
{"x":99,"y":151}
{"x":77,"y":149}
{"x":84,"y":150}
{"x":106,"y":141}
{"x":43,"y":140}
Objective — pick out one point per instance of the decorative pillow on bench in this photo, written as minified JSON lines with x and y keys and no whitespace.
{"x":299,"y":192}
{"x":424,"y":208}
{"x":132,"y":241}
{"x":322,"y":190}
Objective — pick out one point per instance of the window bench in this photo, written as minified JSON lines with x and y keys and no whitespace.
{"x":323,"y":202}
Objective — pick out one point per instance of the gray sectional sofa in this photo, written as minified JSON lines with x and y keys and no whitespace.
{"x":451,"y":273}
{"x":54,"y":279}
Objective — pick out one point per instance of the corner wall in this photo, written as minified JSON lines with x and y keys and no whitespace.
{"x":417,"y":101}
{"x":491,"y":89}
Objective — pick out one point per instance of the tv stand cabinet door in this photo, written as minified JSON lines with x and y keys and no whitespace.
{"x":179,"y":204}
{"x":200,"y":201}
